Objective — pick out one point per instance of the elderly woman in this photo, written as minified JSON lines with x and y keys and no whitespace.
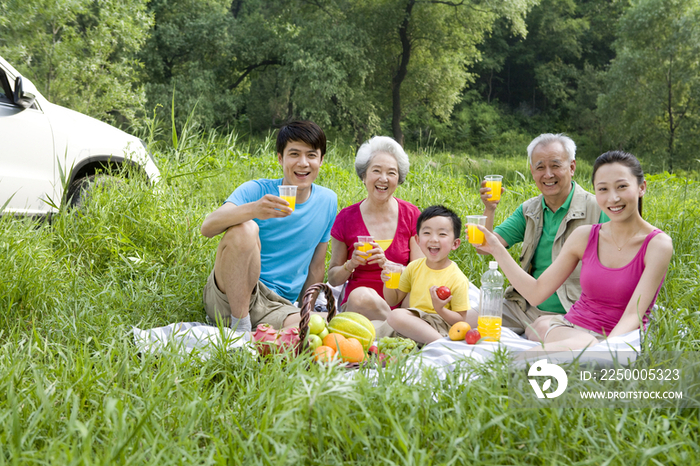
{"x":382,"y":165}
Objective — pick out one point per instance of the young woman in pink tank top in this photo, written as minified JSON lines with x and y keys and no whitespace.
{"x":624,"y":263}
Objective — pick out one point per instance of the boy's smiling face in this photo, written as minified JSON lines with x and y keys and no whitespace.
{"x":436,"y":239}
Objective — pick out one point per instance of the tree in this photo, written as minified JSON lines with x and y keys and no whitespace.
{"x":537,"y":72}
{"x":653,"y":102}
{"x":187,"y":59}
{"x":348,"y":64}
{"x":79,"y":53}
{"x":261,"y":62}
{"x":351,"y":65}
{"x":421,"y":48}
{"x":550,"y":79}
{"x":304,"y":59}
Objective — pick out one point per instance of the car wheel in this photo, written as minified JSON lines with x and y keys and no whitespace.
{"x":81,"y":189}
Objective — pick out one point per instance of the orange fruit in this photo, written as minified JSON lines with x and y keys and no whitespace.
{"x":323,"y":354}
{"x":459,"y":330}
{"x":332,"y":340}
{"x":351,"y":350}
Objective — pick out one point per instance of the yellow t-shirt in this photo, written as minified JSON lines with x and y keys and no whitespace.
{"x":418,"y":278}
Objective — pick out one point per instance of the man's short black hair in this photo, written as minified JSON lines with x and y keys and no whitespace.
{"x":440,"y":211}
{"x":304,"y":131}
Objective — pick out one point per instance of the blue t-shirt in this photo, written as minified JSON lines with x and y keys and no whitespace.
{"x":288,"y":243}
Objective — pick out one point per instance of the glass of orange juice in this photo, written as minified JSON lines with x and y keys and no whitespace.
{"x":494,"y":182}
{"x":394,"y":273}
{"x":289,"y":194}
{"x":366,"y":246}
{"x":474,"y":235}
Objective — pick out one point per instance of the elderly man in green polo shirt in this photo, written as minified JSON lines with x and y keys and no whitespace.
{"x":542,"y":224}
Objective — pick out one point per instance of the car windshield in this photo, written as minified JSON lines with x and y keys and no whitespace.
{"x":5,"y":89}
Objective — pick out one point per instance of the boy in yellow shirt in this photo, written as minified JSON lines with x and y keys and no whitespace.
{"x":429,"y":318}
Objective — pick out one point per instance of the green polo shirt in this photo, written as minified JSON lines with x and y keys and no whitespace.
{"x":513,"y":232}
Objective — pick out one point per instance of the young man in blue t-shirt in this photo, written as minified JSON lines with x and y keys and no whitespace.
{"x":270,"y":252}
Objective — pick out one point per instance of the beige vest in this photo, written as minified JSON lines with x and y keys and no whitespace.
{"x":583,"y":210}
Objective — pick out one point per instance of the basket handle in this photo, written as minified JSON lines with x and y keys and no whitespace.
{"x":308,"y":303}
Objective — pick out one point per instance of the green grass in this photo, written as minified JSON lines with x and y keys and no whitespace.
{"x":74,"y":390}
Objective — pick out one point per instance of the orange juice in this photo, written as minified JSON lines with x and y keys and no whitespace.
{"x":365,"y":247}
{"x":475,"y":235}
{"x":495,"y":189}
{"x":394,"y":278}
{"x":292,"y":201}
{"x":490,"y":327}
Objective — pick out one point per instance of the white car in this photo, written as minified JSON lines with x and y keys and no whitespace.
{"x":40,"y":140}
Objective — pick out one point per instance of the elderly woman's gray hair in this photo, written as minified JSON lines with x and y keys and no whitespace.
{"x":548,"y":138}
{"x":376,"y":145}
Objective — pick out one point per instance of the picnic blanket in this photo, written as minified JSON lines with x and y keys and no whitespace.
{"x":442,"y":356}
{"x":203,"y":339}
{"x":189,"y":337}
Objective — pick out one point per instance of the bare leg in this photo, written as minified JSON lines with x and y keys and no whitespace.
{"x":237,"y":266}
{"x":415,"y":328}
{"x":367,"y":302}
{"x":537,"y":330}
{"x":561,"y":339}
{"x":571,"y":338}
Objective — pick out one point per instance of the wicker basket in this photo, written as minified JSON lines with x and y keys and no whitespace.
{"x":307,"y":305}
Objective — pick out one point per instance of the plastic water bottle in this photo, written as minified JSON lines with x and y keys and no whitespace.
{"x":491,"y":307}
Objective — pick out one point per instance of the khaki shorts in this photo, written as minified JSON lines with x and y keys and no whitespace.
{"x":515,"y":319}
{"x":435,"y":321}
{"x":560,"y":321}
{"x":266,"y":307}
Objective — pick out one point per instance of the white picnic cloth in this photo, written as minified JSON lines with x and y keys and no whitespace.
{"x":444,"y":355}
{"x":441,"y":356}
{"x":203,"y":339}
{"x":188,"y":337}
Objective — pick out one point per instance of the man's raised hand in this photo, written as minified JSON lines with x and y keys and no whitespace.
{"x":271,"y":206}
{"x":485,"y":194}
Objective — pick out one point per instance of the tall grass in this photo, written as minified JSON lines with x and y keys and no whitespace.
{"x":75,"y":391}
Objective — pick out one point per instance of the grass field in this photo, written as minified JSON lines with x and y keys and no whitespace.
{"x":74,"y":390}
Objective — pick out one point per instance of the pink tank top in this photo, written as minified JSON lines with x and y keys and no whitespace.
{"x":605,"y":292}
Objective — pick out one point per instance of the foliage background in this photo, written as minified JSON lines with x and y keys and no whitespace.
{"x":478,"y":76}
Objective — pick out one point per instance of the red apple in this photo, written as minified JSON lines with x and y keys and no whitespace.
{"x":443,"y":293}
{"x":472,"y":337}
{"x":373,"y":350}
